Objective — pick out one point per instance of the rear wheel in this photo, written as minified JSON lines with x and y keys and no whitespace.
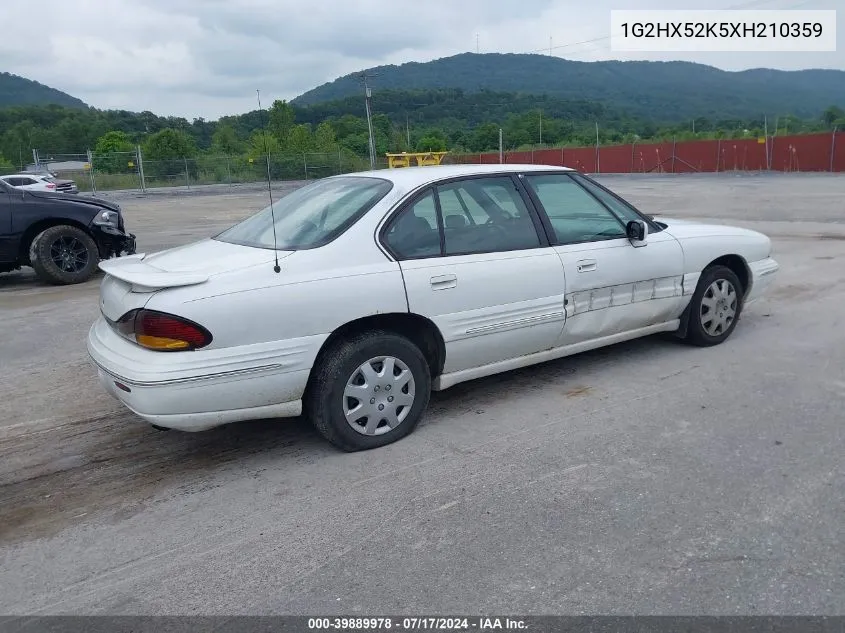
{"x":369,"y":390}
{"x":64,"y":255}
{"x":715,"y":307}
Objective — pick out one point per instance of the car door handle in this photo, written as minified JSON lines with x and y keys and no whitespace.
{"x":587,"y":265}
{"x":442,"y":282}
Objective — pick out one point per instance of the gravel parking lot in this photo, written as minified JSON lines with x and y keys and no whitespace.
{"x":647,"y":478}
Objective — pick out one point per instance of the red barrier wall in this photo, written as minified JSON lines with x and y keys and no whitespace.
{"x":810,"y":152}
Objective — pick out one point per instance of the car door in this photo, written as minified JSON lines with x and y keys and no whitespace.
{"x":476,"y":261}
{"x":8,"y":245}
{"x":612,"y":285}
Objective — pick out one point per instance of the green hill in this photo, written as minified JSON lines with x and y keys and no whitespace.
{"x":663,"y":91}
{"x":17,"y":91}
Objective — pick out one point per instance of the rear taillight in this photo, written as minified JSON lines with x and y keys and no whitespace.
{"x":162,"y":332}
{"x":50,"y":185}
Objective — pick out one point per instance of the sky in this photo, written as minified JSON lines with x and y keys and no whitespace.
{"x":206,"y":58}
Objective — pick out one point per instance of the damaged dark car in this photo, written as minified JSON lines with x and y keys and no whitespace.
{"x":63,"y":237}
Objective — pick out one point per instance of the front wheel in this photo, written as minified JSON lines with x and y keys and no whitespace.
{"x":369,"y":390}
{"x":715,"y":307}
{"x":64,"y":255}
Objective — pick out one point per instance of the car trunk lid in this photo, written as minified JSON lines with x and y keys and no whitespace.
{"x":131,"y":281}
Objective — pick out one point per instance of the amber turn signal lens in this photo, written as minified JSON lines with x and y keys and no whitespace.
{"x":161,"y":342}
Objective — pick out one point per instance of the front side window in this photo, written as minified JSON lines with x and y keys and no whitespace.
{"x":621,"y":208}
{"x":311,"y":216}
{"x":484,"y":215}
{"x":575,"y":215}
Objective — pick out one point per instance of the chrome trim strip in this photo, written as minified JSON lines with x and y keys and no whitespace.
{"x":516,"y":323}
{"x":177,"y":381}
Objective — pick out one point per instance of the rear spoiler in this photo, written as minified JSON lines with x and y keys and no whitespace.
{"x":133,"y":270}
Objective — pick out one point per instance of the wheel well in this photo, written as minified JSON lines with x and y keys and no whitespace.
{"x":420,"y":330}
{"x":33,"y":231}
{"x":737,"y":265}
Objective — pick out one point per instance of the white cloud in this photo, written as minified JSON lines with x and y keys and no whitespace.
{"x":207,"y":57}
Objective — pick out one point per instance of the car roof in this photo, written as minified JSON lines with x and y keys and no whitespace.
{"x":412,"y":177}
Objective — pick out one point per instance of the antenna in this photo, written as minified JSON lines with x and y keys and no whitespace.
{"x":276,"y":268}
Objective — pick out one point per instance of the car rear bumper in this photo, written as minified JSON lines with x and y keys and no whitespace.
{"x":763,"y":273}
{"x":191,"y":396}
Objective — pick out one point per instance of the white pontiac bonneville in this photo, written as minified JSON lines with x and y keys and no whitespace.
{"x":356,"y":295}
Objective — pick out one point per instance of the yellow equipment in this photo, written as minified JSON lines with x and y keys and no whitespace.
{"x":422,"y":159}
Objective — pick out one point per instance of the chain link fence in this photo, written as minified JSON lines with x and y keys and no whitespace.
{"x":117,"y":171}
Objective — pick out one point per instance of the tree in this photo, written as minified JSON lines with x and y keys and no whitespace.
{"x":261,"y":143}
{"x":432,"y":141}
{"x":831,"y":115}
{"x":485,"y":137}
{"x":165,"y":152}
{"x":300,"y":139}
{"x":6,"y":166}
{"x":324,"y":138}
{"x":169,"y":144}
{"x":282,"y":119}
{"x":114,"y":141}
{"x":112,"y":151}
{"x":225,"y":141}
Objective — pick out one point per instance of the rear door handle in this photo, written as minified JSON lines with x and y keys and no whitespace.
{"x":442,"y":282}
{"x":586,"y":265}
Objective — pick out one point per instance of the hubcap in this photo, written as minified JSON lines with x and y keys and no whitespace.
{"x":378,"y":395}
{"x":69,"y":254}
{"x":718,"y":307}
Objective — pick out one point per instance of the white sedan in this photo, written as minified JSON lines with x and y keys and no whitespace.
{"x":32,"y":182}
{"x":357,"y":295}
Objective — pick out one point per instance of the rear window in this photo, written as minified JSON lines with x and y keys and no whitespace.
{"x":311,"y":216}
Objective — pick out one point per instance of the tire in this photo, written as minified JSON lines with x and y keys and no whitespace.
{"x":710,"y":326}
{"x":327,"y":406}
{"x":64,"y":255}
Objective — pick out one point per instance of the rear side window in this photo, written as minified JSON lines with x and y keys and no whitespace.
{"x":471,"y":216}
{"x":492,"y":217}
{"x":414,"y":233}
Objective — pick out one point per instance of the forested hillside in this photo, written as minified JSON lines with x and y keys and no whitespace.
{"x":664,"y":91}
{"x":16,"y":90}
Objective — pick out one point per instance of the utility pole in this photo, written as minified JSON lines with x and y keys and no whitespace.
{"x":408,"y":130}
{"x":477,"y":47}
{"x":541,"y":126}
{"x":550,"y":45}
{"x":598,"y":157}
{"x":501,"y":153}
{"x":367,"y":96}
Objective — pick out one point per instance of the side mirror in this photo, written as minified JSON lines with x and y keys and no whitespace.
{"x":637,"y":231}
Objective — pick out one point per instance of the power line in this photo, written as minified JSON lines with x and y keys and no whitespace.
{"x":602,"y":38}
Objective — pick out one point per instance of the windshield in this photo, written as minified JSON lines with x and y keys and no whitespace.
{"x":311,"y":216}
